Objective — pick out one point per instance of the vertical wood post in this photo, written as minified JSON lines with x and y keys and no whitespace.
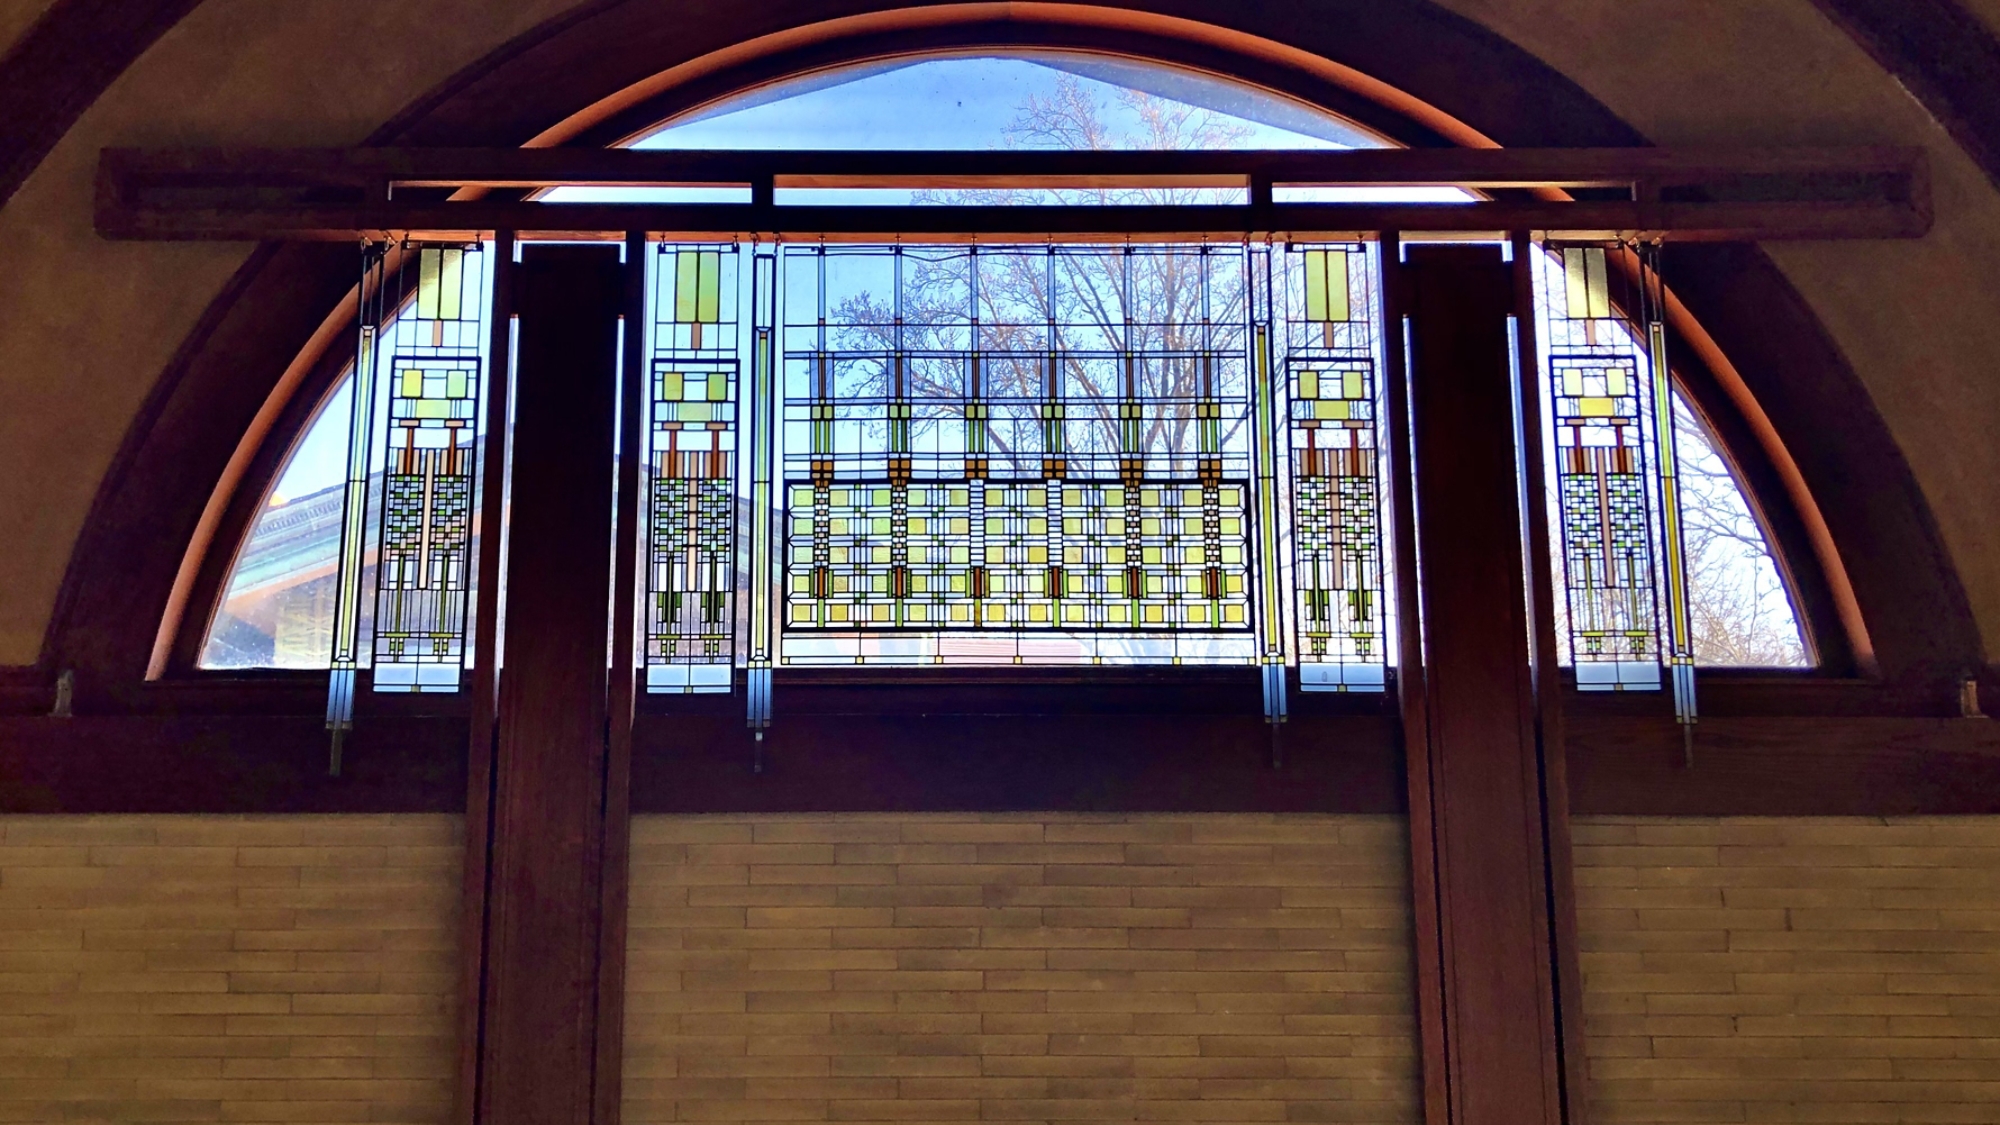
{"x":1539,"y":543}
{"x":542,"y":1005}
{"x":634,"y":446}
{"x":484,"y":686}
{"x":1480,"y":837}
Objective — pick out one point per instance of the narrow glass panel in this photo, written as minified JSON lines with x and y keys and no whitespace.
{"x":692,"y":499}
{"x":1599,"y":377}
{"x":1334,"y":464}
{"x":1606,"y":501}
{"x":432,"y":361}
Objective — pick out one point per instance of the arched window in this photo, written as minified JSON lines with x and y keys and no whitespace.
{"x":1154,"y":454}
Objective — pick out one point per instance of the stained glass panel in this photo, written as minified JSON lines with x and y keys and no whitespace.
{"x":1333,"y":456}
{"x":690,"y":640}
{"x":1617,"y":507}
{"x":432,"y":357}
{"x":1015,"y":455}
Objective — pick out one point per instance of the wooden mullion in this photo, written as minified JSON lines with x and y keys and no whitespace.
{"x":1484,"y":785}
{"x":634,"y":441}
{"x":1427,"y":920}
{"x":546,"y":906}
{"x":1549,"y":689}
{"x":484,"y":691}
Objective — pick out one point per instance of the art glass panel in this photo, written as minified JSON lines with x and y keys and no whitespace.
{"x":1015,"y":455}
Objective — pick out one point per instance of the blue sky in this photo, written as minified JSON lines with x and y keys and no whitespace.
{"x":958,"y":103}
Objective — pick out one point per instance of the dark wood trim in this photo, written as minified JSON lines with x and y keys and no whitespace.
{"x":149,"y":178}
{"x":59,"y":66}
{"x":1786,"y":767}
{"x":228,"y":764}
{"x":635,"y":442}
{"x":1622,"y":765}
{"x":542,"y":1001}
{"x":1413,"y":706}
{"x":699,"y":760}
{"x":480,"y":744}
{"x":1549,"y":692}
{"x":1488,"y":828}
{"x":707,"y":222}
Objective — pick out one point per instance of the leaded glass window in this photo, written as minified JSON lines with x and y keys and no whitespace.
{"x":985,"y":454}
{"x":1016,"y":455}
{"x":691,"y":570}
{"x":1334,"y":456}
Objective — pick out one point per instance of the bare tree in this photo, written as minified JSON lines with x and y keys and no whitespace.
{"x":1739,"y":607}
{"x":1169,"y":307}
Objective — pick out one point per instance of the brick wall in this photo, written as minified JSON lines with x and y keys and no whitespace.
{"x":1051,"y":968}
{"x":1828,"y":969}
{"x":242,"y":969}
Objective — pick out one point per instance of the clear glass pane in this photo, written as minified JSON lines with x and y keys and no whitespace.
{"x":1743,"y":614}
{"x":1016,"y":100}
{"x":277,"y":605}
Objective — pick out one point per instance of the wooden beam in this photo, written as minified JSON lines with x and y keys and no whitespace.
{"x":545,"y":911}
{"x":1486,"y":833}
{"x":321,"y":194}
{"x":1544,"y":663}
{"x":839,"y":758}
{"x":635,"y":373}
{"x":156,"y":169}
{"x":1412,"y":705}
{"x":1679,"y":222}
{"x":1849,"y":766}
{"x":480,"y":744}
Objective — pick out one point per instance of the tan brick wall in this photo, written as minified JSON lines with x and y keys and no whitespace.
{"x":242,"y":969}
{"x":1829,"y":969}
{"x":1045,"y":968}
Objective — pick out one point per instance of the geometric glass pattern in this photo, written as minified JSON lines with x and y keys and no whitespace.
{"x":431,"y":356}
{"x":1002,"y":454}
{"x":1334,"y":461}
{"x":690,"y":641}
{"x":1612,"y":471}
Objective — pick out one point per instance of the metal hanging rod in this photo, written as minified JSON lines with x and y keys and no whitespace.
{"x":1677,"y":194}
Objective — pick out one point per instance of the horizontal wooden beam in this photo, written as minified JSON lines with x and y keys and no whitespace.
{"x":1785,"y":767}
{"x":549,"y":167}
{"x":700,"y":761}
{"x":1682,"y":222}
{"x":320,"y":194}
